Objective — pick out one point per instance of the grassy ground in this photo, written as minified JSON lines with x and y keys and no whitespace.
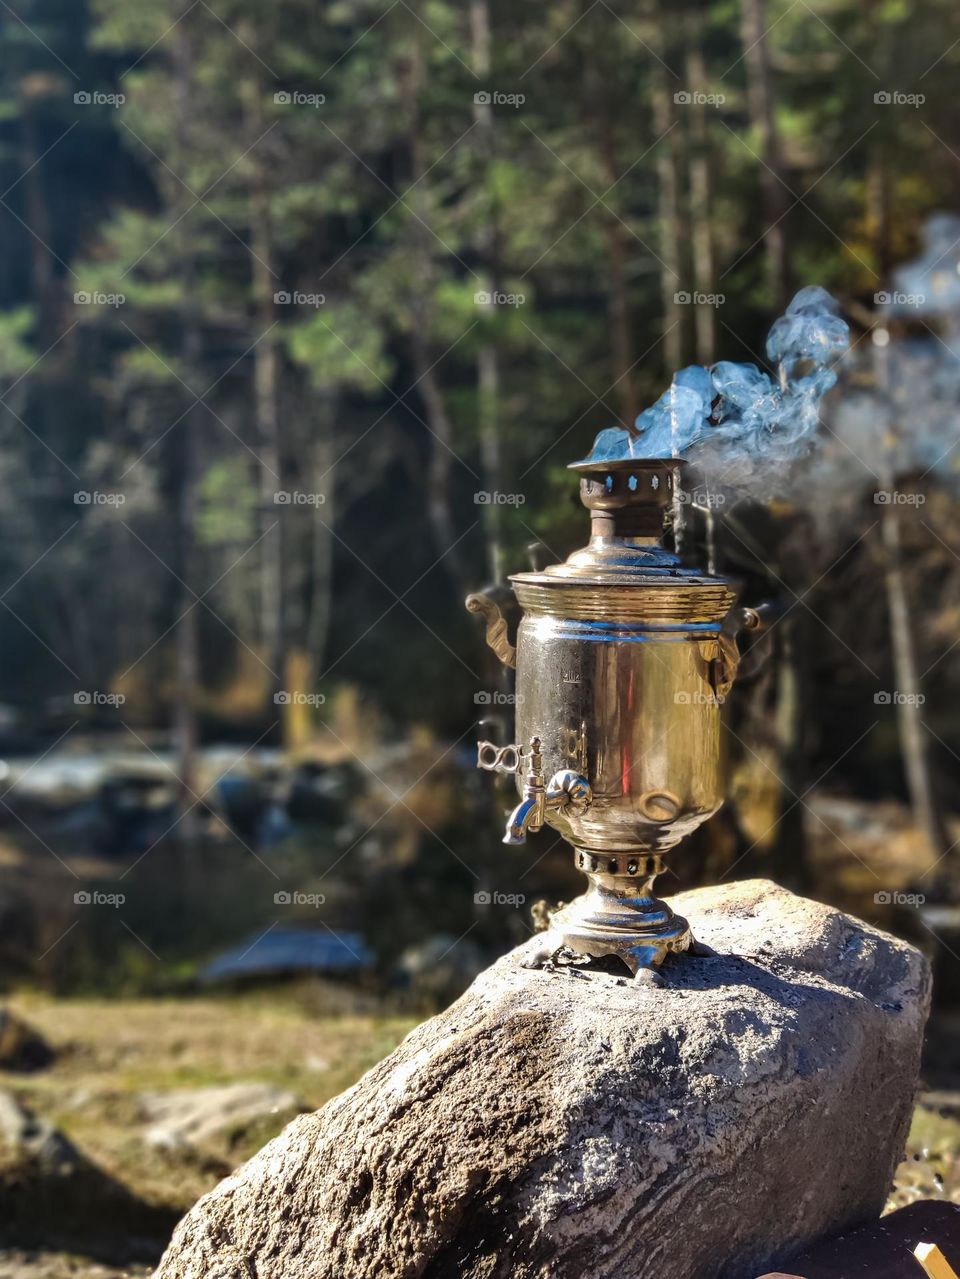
{"x":110,"y":1051}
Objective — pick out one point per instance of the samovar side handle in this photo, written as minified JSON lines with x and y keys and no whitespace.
{"x":496,"y":633}
{"x":725,"y":667}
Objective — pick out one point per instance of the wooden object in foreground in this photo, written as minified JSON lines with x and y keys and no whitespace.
{"x":934,"y":1262}
{"x":921,"y":1239}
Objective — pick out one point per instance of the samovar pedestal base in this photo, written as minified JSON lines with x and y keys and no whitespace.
{"x":618,"y":915}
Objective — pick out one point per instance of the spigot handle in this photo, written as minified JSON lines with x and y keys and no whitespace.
{"x":499,"y":759}
{"x":509,"y":759}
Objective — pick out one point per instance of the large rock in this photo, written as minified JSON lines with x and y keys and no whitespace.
{"x":571,"y":1124}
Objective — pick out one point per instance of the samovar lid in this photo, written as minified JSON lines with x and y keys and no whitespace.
{"x":625,"y":573}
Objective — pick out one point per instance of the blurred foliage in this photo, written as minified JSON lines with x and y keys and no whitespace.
{"x":246,"y":252}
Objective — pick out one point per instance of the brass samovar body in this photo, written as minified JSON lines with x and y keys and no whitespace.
{"x":624,"y":657}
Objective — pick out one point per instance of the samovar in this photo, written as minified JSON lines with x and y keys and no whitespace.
{"x":623,"y":657}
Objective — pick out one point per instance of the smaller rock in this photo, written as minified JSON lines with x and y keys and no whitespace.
{"x":440,"y":968}
{"x":35,"y":1141}
{"x":21,"y":1047}
{"x":54,"y":1196}
{"x":194,"y":1117}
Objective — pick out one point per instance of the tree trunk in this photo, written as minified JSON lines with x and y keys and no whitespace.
{"x":618,"y":311}
{"x":701,"y":213}
{"x":266,"y":381}
{"x":320,"y":591}
{"x":442,"y":455}
{"x":185,"y":731}
{"x":618,"y":298}
{"x":670,"y":217}
{"x":794,"y":693}
{"x":488,"y":368}
{"x":914,"y":744}
{"x":45,"y":289}
{"x":760,"y":97}
{"x":878,"y":209}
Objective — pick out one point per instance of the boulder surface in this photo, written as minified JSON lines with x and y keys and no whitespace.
{"x":571,"y":1123}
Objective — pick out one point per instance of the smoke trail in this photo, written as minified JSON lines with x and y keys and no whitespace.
{"x":896,"y":426}
{"x":930,"y":285}
{"x":734,"y":420}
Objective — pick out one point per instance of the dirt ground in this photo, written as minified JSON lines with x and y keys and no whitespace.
{"x":310,"y":1040}
{"x":17,"y":1264}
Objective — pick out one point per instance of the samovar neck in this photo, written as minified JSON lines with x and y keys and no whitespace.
{"x":602,"y":541}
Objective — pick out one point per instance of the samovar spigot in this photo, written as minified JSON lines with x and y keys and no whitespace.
{"x":566,"y":788}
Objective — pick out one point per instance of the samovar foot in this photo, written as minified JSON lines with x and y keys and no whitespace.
{"x":619,"y":915}
{"x":641,"y":944}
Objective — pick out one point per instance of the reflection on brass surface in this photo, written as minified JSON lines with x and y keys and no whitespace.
{"x":595,"y":601}
{"x":623,"y":656}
